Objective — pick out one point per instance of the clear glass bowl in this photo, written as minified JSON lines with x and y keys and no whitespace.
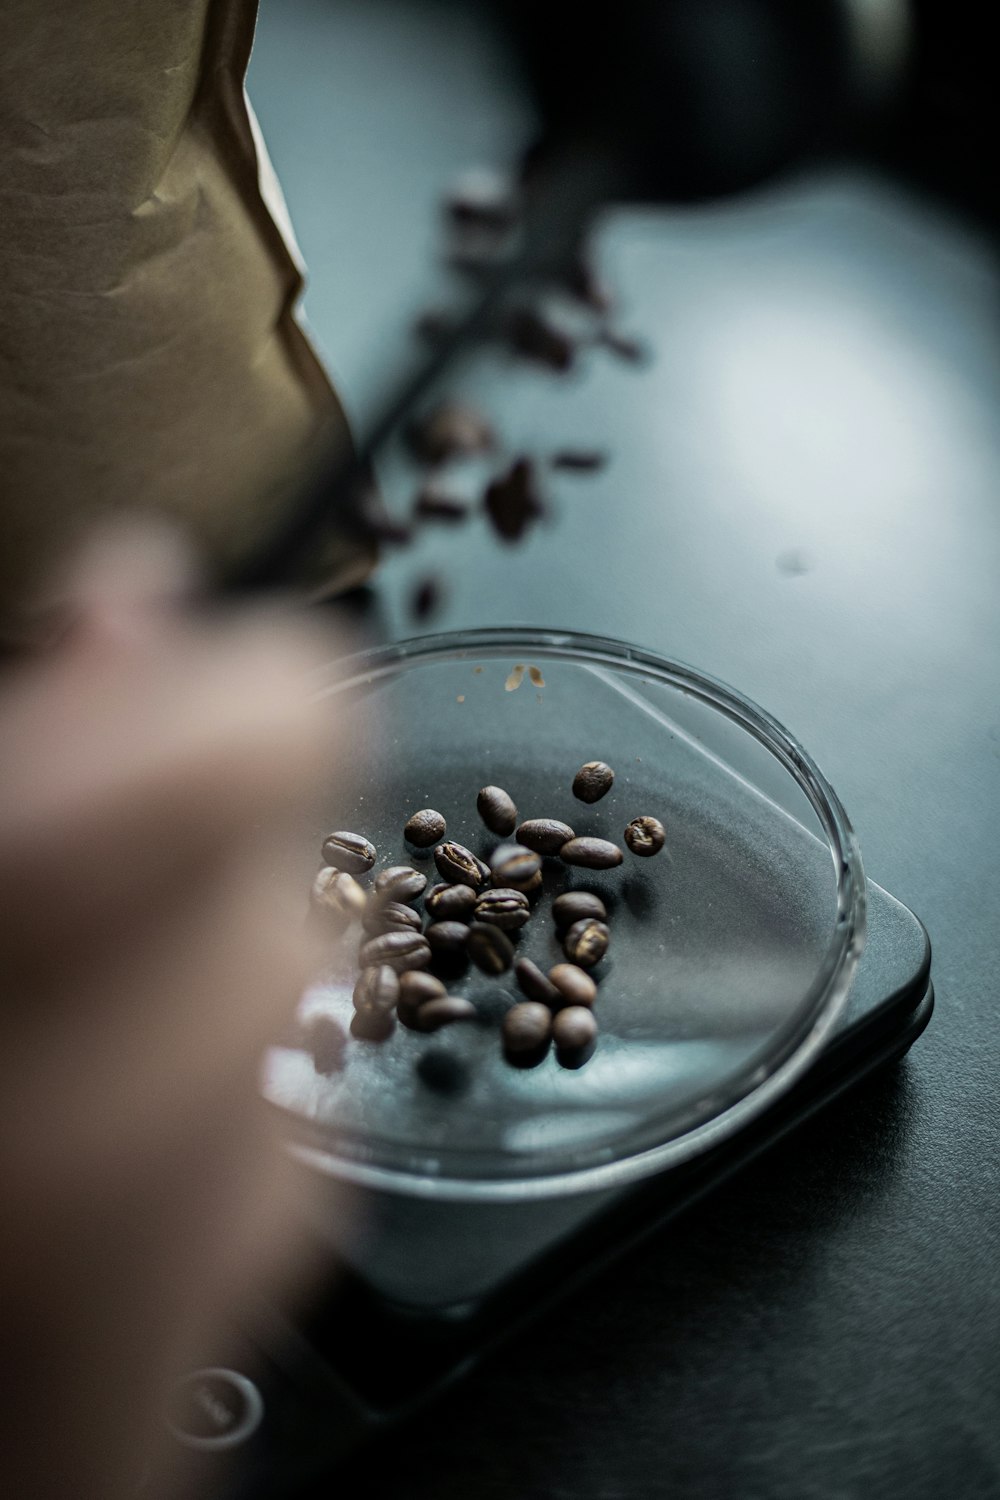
{"x":732,"y":950}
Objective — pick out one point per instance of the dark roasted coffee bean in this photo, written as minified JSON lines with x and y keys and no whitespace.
{"x":574,"y":1031}
{"x":575,"y":906}
{"x":400,"y":883}
{"x":540,"y":338}
{"x":444,"y":1012}
{"x":449,"y":430}
{"x":526,"y":1032}
{"x":372,"y":1025}
{"x":460,"y":865}
{"x":415,"y":990}
{"x":327,"y":1041}
{"x":424,"y":828}
{"x":579,"y":460}
{"x":426,"y":599}
{"x":378,"y":987}
{"x":535,"y":985}
{"x":490,"y":949}
{"x":514,"y":865}
{"x":586,"y":942}
{"x":575,"y":986}
{"x":441,"y":1071}
{"x":532,"y":888}
{"x":349,"y":852}
{"x":451,"y":903}
{"x":447,"y":938}
{"x":482,"y":197}
{"x":645,"y":836}
{"x":593,"y":781}
{"x":389,"y":916}
{"x":497,"y":810}
{"x":544,"y":835}
{"x":402,"y":950}
{"x":436,"y":503}
{"x":507,"y":909}
{"x":592,"y":854}
{"x":512,"y":501}
{"x":338,"y":894}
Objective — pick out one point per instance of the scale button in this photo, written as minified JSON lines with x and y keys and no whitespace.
{"x":213,"y":1409}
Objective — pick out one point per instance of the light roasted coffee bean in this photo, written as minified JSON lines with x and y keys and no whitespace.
{"x":424,"y":828}
{"x":490,"y":949}
{"x":574,"y":1031}
{"x":586,"y":942}
{"x":378,"y":987}
{"x":350,"y":852}
{"x":497,"y":810}
{"x":400,"y":883}
{"x":593,"y":781}
{"x":526,"y":1031}
{"x":338,"y":894}
{"x":544,"y":835}
{"x":444,"y":1012}
{"x":514,"y":866}
{"x":575,"y":986}
{"x":460,"y":865}
{"x":645,"y":836}
{"x":447,"y":939}
{"x":591,"y":854}
{"x":576,"y":906}
{"x":535,"y":985}
{"x":373,"y":1025}
{"x":507,"y":909}
{"x":442,"y":1071}
{"x":390,"y":916}
{"x":401,"y":950}
{"x":451,"y":903}
{"x":327,"y":1041}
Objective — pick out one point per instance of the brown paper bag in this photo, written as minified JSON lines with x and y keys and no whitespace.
{"x":150,"y":355}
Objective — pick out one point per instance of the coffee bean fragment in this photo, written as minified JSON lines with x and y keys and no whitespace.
{"x":514,"y":866}
{"x":402,"y":950}
{"x":400,"y":883}
{"x":506,"y":909}
{"x":426,"y":598}
{"x":373,"y":1025}
{"x":579,"y":460}
{"x":416,"y":989}
{"x":591,"y":854}
{"x":447,"y":938}
{"x":512,"y":501}
{"x":435,"y":502}
{"x":544,"y":835}
{"x":424,"y":828}
{"x":460,"y":865}
{"x":574,"y":984}
{"x":327,"y":1041}
{"x":389,"y":916}
{"x":576,"y":906}
{"x":439,"y":1070}
{"x":378,"y":987}
{"x":593,"y":781}
{"x":451,"y":429}
{"x":451,"y":903}
{"x":540,"y":338}
{"x":338,"y":894}
{"x":535,"y":985}
{"x":350,"y":852}
{"x":444,"y":1012}
{"x":490,"y":949}
{"x":645,"y":836}
{"x":497,"y":810}
{"x":574,"y":1031}
{"x":526,"y":1031}
{"x":586,"y":942}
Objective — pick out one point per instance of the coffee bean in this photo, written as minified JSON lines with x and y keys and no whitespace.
{"x":401,"y":950}
{"x":592,"y":854}
{"x":507,"y":909}
{"x":327,"y":1042}
{"x":447,"y":938}
{"x":389,"y":916}
{"x":497,"y":810}
{"x":575,"y":986}
{"x":424,"y":828}
{"x":645,"y":836}
{"x":444,"y":1012}
{"x":537,"y":336}
{"x":586,"y":942}
{"x":426,"y":599}
{"x":544,"y":835}
{"x":535,"y":985}
{"x":490,"y":949}
{"x":512,"y":501}
{"x":371,"y":1025}
{"x":460,"y":865}
{"x":526,"y":1031}
{"x":415,"y":990}
{"x":579,"y":460}
{"x":436,"y":503}
{"x":532,"y":888}
{"x":574,"y":1031}
{"x":450,"y":903}
{"x":441,"y":1071}
{"x":378,"y":987}
{"x":452,"y":428}
{"x":337,"y":894}
{"x":576,"y":906}
{"x":400,"y":883}
{"x":593,"y":781}
{"x":514,"y":866}
{"x":349,"y":852}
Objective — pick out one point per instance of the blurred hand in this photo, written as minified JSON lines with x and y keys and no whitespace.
{"x":154,"y":768}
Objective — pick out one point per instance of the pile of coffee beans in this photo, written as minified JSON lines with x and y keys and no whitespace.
{"x":475,"y":915}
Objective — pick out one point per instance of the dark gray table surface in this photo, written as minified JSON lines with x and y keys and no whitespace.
{"x":802,"y":500}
